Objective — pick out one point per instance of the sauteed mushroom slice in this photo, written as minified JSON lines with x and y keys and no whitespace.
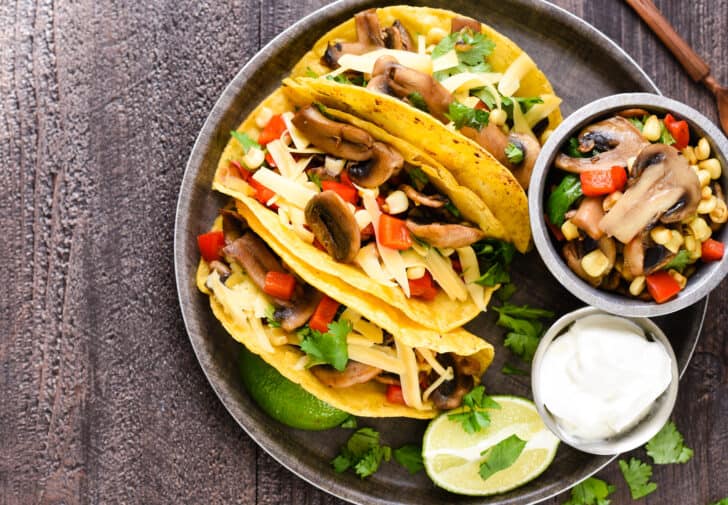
{"x":459,"y":23}
{"x":338,"y":139}
{"x":233,"y":225}
{"x":396,"y":37}
{"x":402,"y":82}
{"x":254,"y":256}
{"x":445,"y":235}
{"x":334,"y":225}
{"x":368,"y":38}
{"x":450,"y":393}
{"x":616,"y":136}
{"x":663,"y":187}
{"x":433,"y":201}
{"x":296,"y":313}
{"x":530,"y":148}
{"x":354,"y":373}
{"x":643,"y":257}
{"x":385,"y":162}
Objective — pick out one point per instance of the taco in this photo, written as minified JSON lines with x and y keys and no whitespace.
{"x":344,"y":347}
{"x":414,"y":70}
{"x":361,"y":205}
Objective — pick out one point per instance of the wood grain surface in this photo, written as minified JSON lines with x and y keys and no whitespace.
{"x":101,"y":398}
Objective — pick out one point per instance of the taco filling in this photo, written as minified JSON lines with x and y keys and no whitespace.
{"x":357,"y":199}
{"x":270,"y":307}
{"x":449,"y":76}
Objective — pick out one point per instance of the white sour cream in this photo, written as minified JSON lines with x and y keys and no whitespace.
{"x":602,"y":375}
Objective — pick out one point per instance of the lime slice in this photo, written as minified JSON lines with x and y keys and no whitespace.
{"x":284,"y":400}
{"x":452,"y":457}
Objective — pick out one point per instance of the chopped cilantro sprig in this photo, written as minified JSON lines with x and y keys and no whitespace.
{"x":327,"y":348}
{"x":474,"y":415}
{"x":637,"y":474}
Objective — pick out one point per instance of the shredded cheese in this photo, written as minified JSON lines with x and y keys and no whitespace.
{"x":283,"y":159}
{"x":519,"y":121}
{"x":301,"y":363}
{"x":471,"y":273}
{"x":369,"y":330}
{"x":368,"y":259}
{"x":409,"y":377}
{"x":421,"y":44}
{"x":298,"y":222}
{"x":470,"y":80}
{"x":443,"y":273}
{"x":365,"y":62}
{"x":295,"y":193}
{"x":447,"y":60}
{"x":542,"y":110}
{"x":298,"y":138}
{"x":435,"y":385}
{"x":432,"y":361}
{"x":376,"y":356}
{"x":350,"y":315}
{"x":511,"y":80}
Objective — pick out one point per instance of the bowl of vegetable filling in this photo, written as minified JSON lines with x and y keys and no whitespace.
{"x":628,"y":204}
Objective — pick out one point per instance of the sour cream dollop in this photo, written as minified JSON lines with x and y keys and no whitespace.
{"x":602,"y":375}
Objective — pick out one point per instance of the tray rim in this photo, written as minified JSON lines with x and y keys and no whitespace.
{"x":331,"y":10}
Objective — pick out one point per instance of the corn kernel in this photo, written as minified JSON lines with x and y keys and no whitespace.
{"x":679,"y":278}
{"x":498,"y":117}
{"x":610,"y":200}
{"x":415,"y":272}
{"x":637,"y":285}
{"x":706,"y":193}
{"x":704,"y":178}
{"x":263,"y":117}
{"x":689,"y":154}
{"x":719,"y":215}
{"x":694,"y":168}
{"x":569,"y":230}
{"x":702,"y":150}
{"x":397,"y":202}
{"x":707,"y":206}
{"x":700,"y":229}
{"x":660,"y":235}
{"x":692,"y":246}
{"x":676,"y":240}
{"x":435,"y":35}
{"x":652,"y":129}
{"x":595,"y":263}
{"x":713,"y":167}
{"x":254,"y":158}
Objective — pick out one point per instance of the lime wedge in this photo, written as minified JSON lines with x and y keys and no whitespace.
{"x":452,"y":457}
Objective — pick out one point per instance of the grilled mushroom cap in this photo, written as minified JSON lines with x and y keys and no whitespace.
{"x":254,"y":256}
{"x":339,"y":139}
{"x":643,"y":257}
{"x":459,"y":23}
{"x":616,"y":136}
{"x":385,"y":161}
{"x":575,"y":250}
{"x":434,"y":201}
{"x":354,"y":373}
{"x":450,"y":393}
{"x":530,"y":148}
{"x":334,"y":225}
{"x":368,"y":37}
{"x":663,"y":186}
{"x":396,"y":37}
{"x":445,"y":235}
{"x":299,"y":310}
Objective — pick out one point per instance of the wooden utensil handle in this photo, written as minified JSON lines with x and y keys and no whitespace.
{"x":689,"y":59}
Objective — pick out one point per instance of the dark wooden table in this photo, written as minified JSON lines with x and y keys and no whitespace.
{"x":101,"y":398}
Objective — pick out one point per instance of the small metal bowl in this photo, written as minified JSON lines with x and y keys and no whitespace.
{"x":705,"y":279}
{"x":645,"y":429}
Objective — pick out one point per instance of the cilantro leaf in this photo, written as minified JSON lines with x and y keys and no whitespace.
{"x":495,"y":258}
{"x":472,"y":49}
{"x":680,"y":261}
{"x":473,"y":417}
{"x":524,"y":102}
{"x":315,"y":178}
{"x":418,"y":178}
{"x":270,"y":317}
{"x":410,"y":457}
{"x":638,"y":123}
{"x":667,"y":446}
{"x":562,"y":198}
{"x":572,"y":148}
{"x":501,"y":456}
{"x":513,"y":153}
{"x":362,"y":452}
{"x":462,"y":115}
{"x":637,"y":474}
{"x":418,"y":101}
{"x":509,"y":369}
{"x":665,"y":136}
{"x":592,"y":491}
{"x":329,"y":347}
{"x":244,"y":140}
{"x":523,"y":326}
{"x":344,"y":79}
{"x":506,"y":291}
{"x":496,"y":274}
{"x":522,"y":344}
{"x":486,"y":96}
{"x":349,"y":422}
{"x":524,"y":311}
{"x":452,"y":209}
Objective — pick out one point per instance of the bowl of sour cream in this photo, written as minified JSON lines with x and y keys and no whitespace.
{"x":604,"y":384}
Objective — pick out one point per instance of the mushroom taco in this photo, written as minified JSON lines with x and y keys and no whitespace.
{"x":422,"y":73}
{"x":344,"y":347}
{"x":362,"y":206}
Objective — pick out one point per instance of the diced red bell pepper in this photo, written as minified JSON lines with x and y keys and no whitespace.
{"x":679,"y":130}
{"x":210,"y":244}
{"x":367,"y":232}
{"x":423,"y":287}
{"x":603,"y":182}
{"x":324,"y":314}
{"x":393,"y":233}
{"x":455,"y":262}
{"x":279,"y":285}
{"x":273,"y":130}
{"x":481,"y":105}
{"x":344,"y":179}
{"x":269,"y":159}
{"x":558,"y":234}
{"x":347,"y":193}
{"x":237,"y":170}
{"x":262,"y":193}
{"x":394,"y":394}
{"x":662,"y":286}
{"x":711,"y":250}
